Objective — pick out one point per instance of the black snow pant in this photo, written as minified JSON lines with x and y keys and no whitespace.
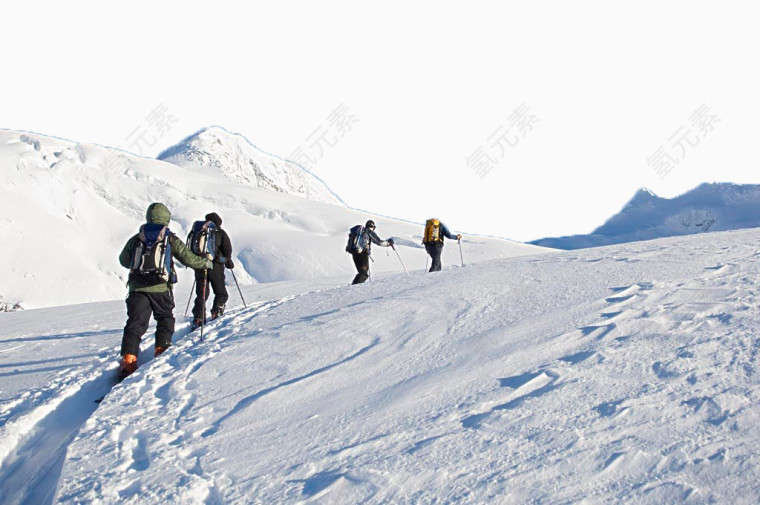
{"x":216,"y":280}
{"x":140,"y":306}
{"x":361,"y":260}
{"x":435,"y":250}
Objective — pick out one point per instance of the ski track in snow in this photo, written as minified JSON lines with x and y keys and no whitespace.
{"x":507,"y":392}
{"x":167,"y":388}
{"x":39,"y":425}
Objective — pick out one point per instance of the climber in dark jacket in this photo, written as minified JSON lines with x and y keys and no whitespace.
{"x":214,"y":276}
{"x":362,"y":259}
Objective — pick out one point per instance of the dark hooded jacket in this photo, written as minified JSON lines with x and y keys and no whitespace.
{"x":158,"y":213}
{"x":223,"y":245}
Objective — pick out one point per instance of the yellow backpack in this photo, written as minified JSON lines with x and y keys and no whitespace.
{"x":432,"y":232}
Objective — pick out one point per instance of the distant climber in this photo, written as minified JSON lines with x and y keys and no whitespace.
{"x":432,"y":239}
{"x":360,"y":240}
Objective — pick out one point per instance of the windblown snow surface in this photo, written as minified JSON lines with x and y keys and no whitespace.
{"x":67,"y":209}
{"x":625,"y":374}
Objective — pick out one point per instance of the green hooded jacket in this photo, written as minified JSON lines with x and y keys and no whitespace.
{"x":158,"y":213}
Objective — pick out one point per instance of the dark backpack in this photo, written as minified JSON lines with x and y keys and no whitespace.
{"x":203,"y":238}
{"x":151,"y":261}
{"x":357,"y":240}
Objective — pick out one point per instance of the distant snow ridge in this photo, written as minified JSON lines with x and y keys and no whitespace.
{"x":233,"y":156}
{"x":706,"y":208}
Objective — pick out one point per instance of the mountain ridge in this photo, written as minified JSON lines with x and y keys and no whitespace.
{"x":716,"y":206}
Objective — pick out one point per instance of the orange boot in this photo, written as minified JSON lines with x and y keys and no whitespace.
{"x":128,"y":365}
{"x":159,"y":350}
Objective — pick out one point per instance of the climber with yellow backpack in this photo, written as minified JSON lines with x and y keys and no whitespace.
{"x":432,"y":239}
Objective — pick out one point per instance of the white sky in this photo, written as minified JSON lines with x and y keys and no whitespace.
{"x":427,"y":83}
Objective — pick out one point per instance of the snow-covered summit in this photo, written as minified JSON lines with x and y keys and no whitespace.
{"x":643,"y":196}
{"x":234,"y":157}
{"x":708,"y":207}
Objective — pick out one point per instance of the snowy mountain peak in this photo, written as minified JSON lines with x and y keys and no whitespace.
{"x":645,"y":193}
{"x":644,"y":196}
{"x":233,"y":156}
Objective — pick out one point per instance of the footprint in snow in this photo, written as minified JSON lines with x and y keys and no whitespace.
{"x":131,"y":490}
{"x":196,"y":455}
{"x":611,"y":409}
{"x":140,"y":454}
{"x":709,"y":408}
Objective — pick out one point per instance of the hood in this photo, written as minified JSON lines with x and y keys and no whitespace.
{"x":158,"y":213}
{"x":214,"y":218}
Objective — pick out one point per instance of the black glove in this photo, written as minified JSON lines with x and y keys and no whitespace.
{"x":229,"y":264}
{"x":390,"y":242}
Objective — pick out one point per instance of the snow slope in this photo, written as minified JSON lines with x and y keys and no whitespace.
{"x":67,"y":210}
{"x":626,"y":374}
{"x":233,"y":156}
{"x":708,"y":207}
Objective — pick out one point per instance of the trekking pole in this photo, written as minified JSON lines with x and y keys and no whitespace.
{"x":238,"y":286}
{"x":461,"y":258}
{"x":426,"y":261}
{"x":190,"y":298}
{"x":399,"y":258}
{"x":205,"y":286}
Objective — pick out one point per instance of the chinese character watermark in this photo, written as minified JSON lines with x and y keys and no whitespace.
{"x":156,"y":124}
{"x":326,"y":136}
{"x":506,"y":136}
{"x":685,"y":138}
